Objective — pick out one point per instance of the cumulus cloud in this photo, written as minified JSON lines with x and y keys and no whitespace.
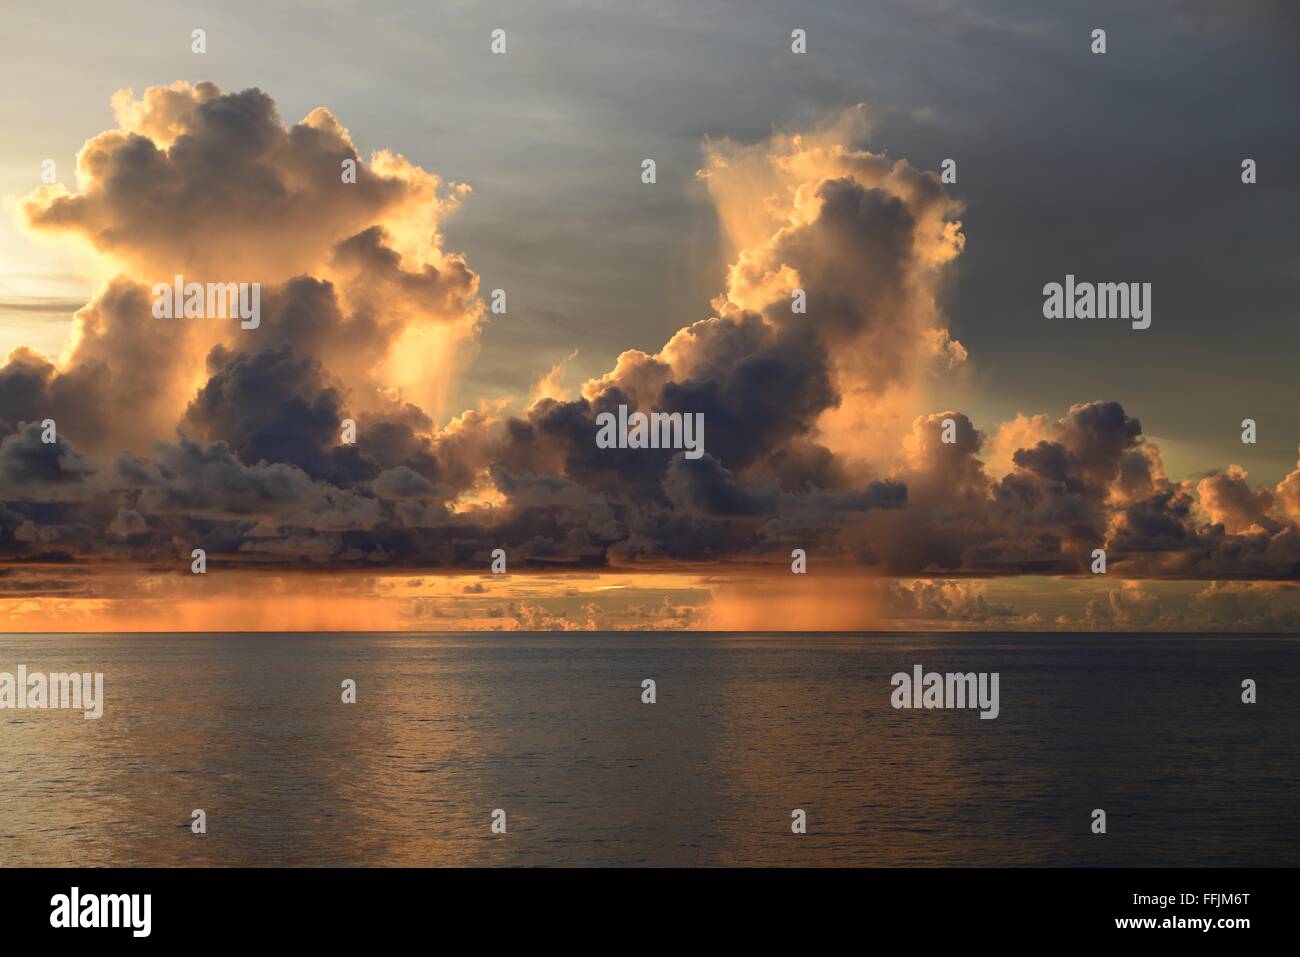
{"x":214,"y":187}
{"x":1248,"y":606}
{"x":1129,"y":608}
{"x":213,"y":184}
{"x":949,"y":602}
{"x":819,"y":430}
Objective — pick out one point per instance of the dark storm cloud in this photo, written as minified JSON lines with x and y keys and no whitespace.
{"x":271,"y":406}
{"x":30,"y":464}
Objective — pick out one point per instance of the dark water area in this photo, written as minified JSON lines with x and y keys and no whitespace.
{"x":744,"y":730}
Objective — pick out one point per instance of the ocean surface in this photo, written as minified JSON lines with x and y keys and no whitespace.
{"x":552,"y":730}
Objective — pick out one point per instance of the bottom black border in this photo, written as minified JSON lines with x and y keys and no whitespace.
{"x":616,"y":907}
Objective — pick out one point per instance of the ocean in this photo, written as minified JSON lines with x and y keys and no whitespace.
{"x":745,"y":730}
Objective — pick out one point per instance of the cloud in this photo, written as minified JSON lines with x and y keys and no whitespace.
{"x":1130,"y":607}
{"x":819,"y":428}
{"x":1248,"y":606}
{"x":212,"y":184}
{"x":214,"y":187}
{"x":30,"y":465}
{"x":945,"y":602}
{"x":1229,"y":500}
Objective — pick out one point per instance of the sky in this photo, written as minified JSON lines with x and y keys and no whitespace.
{"x":522,"y":171}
